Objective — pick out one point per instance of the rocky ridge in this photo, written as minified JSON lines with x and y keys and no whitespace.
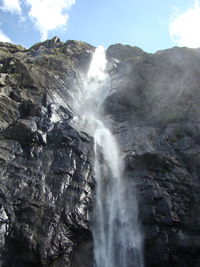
{"x":47,"y":181}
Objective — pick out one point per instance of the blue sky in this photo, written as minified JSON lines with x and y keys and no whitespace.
{"x":149,"y":24}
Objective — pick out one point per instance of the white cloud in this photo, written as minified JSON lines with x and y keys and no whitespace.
{"x":184,"y":27}
{"x":12,"y":6}
{"x":49,"y":14}
{"x":4,"y":38}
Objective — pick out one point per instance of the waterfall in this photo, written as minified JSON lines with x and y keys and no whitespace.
{"x":116,"y":234}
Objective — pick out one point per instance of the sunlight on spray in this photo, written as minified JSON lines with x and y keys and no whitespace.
{"x":116,"y":235}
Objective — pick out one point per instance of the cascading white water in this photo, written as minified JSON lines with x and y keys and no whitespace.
{"x":116,"y":234}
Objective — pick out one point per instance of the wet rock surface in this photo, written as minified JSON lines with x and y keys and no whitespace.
{"x":47,"y":182}
{"x":154,"y":105}
{"x":163,"y":165}
{"x":46,"y":165}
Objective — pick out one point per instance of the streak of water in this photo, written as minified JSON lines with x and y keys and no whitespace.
{"x":117,"y":238}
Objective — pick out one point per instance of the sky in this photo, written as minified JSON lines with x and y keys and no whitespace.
{"x":149,"y":24}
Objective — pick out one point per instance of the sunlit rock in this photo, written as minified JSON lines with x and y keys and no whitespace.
{"x":47,"y":191}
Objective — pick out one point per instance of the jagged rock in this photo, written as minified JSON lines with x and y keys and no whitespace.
{"x":28,"y":109}
{"x":46,"y":167}
{"x":165,"y":179}
{"x":124,"y":52}
{"x":23,"y":130}
{"x":51,"y":197}
{"x":15,"y":95}
{"x":47,"y":185}
{"x":159,"y":88}
{"x":3,"y":77}
{"x":8,"y":112}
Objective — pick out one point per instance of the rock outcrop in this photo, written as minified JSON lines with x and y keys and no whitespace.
{"x":46,"y":165}
{"x":154,"y":105}
{"x":47,"y":178}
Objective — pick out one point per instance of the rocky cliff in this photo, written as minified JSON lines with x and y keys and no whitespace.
{"x":47,"y":182}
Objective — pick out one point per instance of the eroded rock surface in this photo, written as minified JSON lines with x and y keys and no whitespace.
{"x":46,"y":165}
{"x":47,"y":178}
{"x":154,"y":104}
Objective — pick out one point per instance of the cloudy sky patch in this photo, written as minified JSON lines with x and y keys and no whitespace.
{"x":184,"y":26}
{"x":49,"y":14}
{"x":4,"y":37}
{"x":151,"y":25}
{"x":46,"y":15}
{"x":12,"y":6}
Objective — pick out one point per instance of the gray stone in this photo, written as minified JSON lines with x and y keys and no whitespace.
{"x":47,"y":185}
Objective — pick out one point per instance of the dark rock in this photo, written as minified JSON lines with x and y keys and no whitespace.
{"x":8,"y":112}
{"x":141,"y":88}
{"x":53,"y":43}
{"x":23,"y":130}
{"x":15,"y":95}
{"x":29,"y":109}
{"x":51,"y":197}
{"x":46,"y":179}
{"x":124,"y":52}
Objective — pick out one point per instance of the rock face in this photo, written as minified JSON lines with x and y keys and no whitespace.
{"x":154,"y":105}
{"x":47,"y":178}
{"x":46,"y":165}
